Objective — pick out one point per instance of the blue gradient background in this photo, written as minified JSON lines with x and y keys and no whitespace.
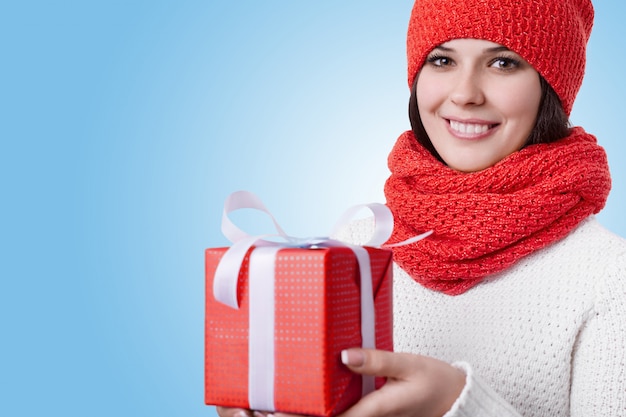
{"x":125,"y":124}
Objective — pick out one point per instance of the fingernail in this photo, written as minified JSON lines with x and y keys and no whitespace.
{"x":241,"y":414}
{"x":259,"y":414}
{"x":352,"y":357}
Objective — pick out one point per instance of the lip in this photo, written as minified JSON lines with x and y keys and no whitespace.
{"x":473,"y":129}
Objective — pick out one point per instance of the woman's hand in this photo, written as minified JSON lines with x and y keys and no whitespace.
{"x":416,"y":385}
{"x":232,"y":412}
{"x":238,"y":412}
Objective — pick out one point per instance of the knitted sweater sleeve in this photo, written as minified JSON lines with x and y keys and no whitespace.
{"x":598,"y":386}
{"x":478,"y":399}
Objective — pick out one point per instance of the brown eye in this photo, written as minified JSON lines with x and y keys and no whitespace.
{"x":505,"y":63}
{"x":439,"y":61}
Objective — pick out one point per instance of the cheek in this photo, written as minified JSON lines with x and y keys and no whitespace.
{"x":428,"y":93}
{"x":524,"y":107}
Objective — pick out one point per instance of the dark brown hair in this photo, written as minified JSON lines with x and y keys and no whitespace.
{"x":551,"y":125}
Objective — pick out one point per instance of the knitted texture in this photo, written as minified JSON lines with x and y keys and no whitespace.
{"x":484,"y":222}
{"x":551,"y":34}
{"x":545,"y":337}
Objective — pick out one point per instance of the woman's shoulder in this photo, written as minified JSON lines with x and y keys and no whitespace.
{"x":593,"y":250}
{"x":358,"y":231}
{"x":595,"y":239}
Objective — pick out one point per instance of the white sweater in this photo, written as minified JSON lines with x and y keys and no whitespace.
{"x":545,"y":338}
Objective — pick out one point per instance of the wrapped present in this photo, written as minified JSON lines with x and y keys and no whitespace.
{"x":315,"y":314}
{"x":278,"y":315}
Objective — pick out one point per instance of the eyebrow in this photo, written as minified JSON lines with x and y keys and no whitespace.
{"x":499,"y":48}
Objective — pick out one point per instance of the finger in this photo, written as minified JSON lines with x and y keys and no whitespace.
{"x":380,"y":363}
{"x":374,"y":404}
{"x":233,"y":412}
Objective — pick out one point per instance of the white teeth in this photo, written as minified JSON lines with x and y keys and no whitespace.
{"x":468,"y":128}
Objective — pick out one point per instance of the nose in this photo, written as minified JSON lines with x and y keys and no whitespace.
{"x":467,"y":88}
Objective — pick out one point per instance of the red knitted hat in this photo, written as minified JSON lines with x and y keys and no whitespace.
{"x":550,"y":34}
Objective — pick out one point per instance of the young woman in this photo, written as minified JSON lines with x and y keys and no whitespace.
{"x":516,"y":304}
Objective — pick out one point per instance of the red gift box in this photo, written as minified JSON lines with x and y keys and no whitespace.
{"x":317,"y":314}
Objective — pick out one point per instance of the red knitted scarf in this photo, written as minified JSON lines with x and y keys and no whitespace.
{"x":484,"y":222}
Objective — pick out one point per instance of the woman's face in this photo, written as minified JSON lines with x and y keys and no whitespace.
{"x":478,"y":102}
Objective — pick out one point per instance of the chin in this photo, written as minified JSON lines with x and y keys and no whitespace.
{"x":464,"y":166}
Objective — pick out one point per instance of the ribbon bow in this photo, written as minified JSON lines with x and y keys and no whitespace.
{"x":261,"y":283}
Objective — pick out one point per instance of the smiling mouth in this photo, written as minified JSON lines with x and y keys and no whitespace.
{"x":470,"y":129}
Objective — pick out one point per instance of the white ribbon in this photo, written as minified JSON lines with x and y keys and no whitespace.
{"x":261,"y":329}
{"x":261,"y":284}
